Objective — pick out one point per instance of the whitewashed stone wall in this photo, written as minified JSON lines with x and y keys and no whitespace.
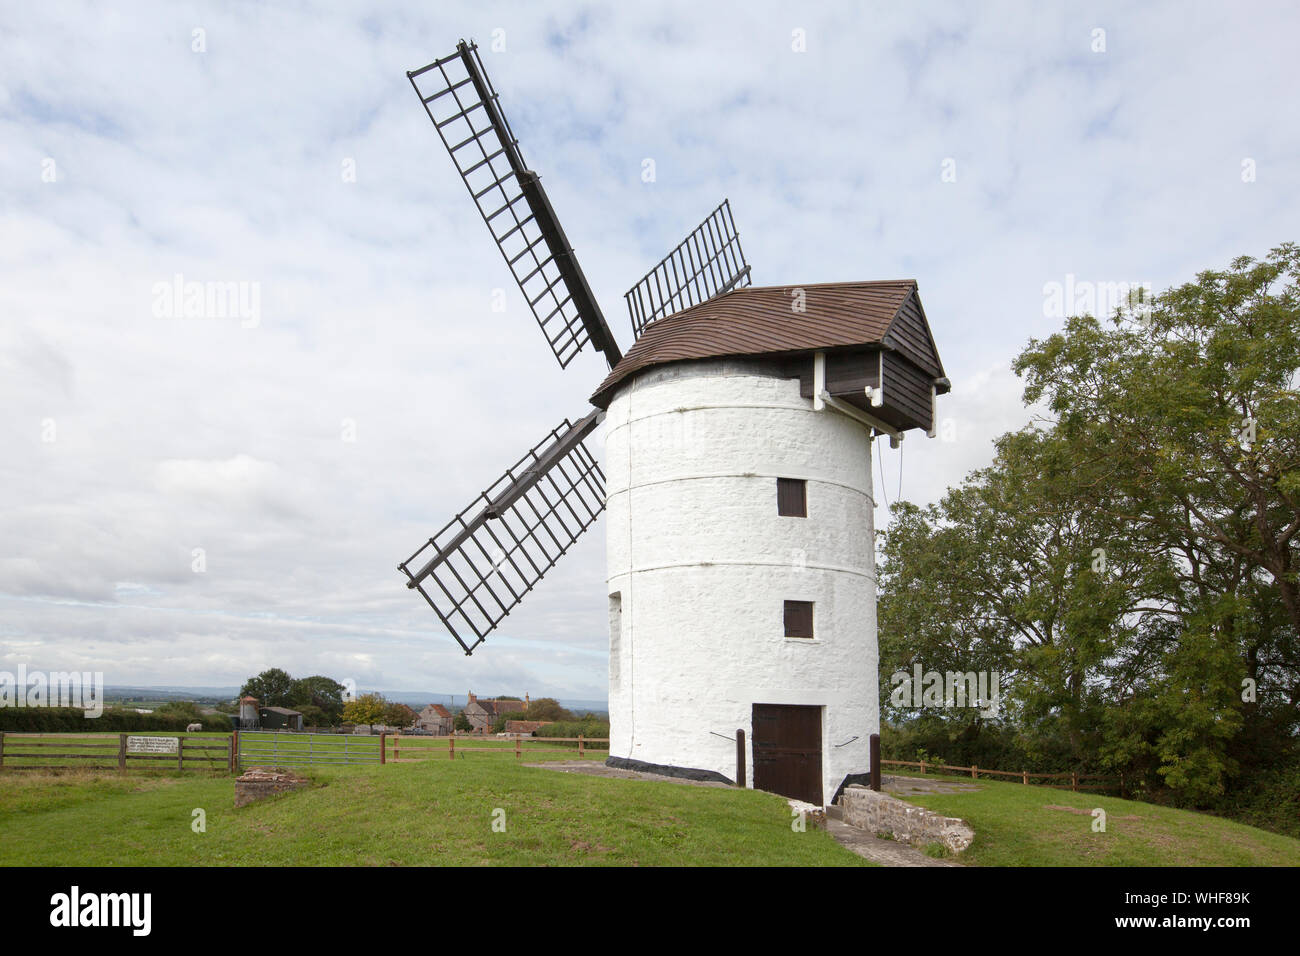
{"x":700,"y":566}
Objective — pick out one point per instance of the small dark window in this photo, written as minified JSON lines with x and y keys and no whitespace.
{"x":798,"y":618}
{"x":792,"y":497}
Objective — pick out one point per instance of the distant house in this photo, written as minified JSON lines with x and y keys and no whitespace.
{"x":483,"y":713}
{"x":436,"y":719}
{"x":525,"y":728}
{"x":280,"y":718}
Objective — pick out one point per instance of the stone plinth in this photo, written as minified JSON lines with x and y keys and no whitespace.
{"x":262,"y":782}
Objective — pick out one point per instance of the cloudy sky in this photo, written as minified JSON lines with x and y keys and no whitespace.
{"x":984,"y":150}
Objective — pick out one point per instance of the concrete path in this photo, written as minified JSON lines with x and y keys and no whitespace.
{"x":877,"y":850}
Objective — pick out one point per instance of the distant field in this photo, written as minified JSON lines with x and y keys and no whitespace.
{"x":1017,"y":825}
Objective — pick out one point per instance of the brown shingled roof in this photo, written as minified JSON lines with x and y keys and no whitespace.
{"x":760,"y":320}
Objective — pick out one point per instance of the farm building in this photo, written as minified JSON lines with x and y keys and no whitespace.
{"x":482,"y":713}
{"x":525,"y":728}
{"x":436,"y":719}
{"x":280,"y":718}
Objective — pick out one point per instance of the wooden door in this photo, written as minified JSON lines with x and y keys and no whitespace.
{"x":788,"y":751}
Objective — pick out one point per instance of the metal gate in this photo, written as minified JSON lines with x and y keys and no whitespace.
{"x":276,"y":748}
{"x":788,"y":751}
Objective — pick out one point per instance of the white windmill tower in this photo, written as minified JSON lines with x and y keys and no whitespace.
{"x":739,"y":431}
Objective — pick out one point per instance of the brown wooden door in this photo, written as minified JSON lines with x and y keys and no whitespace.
{"x":788,"y":751}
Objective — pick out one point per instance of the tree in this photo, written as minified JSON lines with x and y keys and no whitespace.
{"x":546,"y":708}
{"x":1189,"y":418}
{"x":313,"y":716}
{"x":399,"y":715}
{"x":181,"y":708}
{"x":272,"y":688}
{"x":321,"y":692}
{"x":366,"y":709}
{"x":1132,"y":559}
{"x":461,"y":722}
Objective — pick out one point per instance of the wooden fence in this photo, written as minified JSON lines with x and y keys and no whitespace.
{"x":113,"y":752}
{"x":394,"y":748}
{"x":1075,"y":780}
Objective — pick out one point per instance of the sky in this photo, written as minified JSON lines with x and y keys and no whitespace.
{"x":189,"y":500}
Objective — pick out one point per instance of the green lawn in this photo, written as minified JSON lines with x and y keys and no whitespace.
{"x":436,"y":812}
{"x":1017,"y":825}
{"x":441,"y":812}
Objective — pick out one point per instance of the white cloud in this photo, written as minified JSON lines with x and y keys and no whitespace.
{"x":172,"y":434}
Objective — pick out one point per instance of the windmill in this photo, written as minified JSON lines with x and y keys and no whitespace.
{"x":481,"y":564}
{"x":740,"y":535}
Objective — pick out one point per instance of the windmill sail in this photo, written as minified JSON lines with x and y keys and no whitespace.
{"x":476,"y":569}
{"x":706,"y":263}
{"x":463,"y":107}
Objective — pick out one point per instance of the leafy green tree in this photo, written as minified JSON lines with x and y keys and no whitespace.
{"x":546,"y":708}
{"x":1189,"y":419}
{"x":181,"y":708}
{"x":313,"y":716}
{"x":1131,"y":560}
{"x":272,"y":688}
{"x":461,"y":722}
{"x":366,"y":709}
{"x":399,"y":715}
{"x":324,"y":693}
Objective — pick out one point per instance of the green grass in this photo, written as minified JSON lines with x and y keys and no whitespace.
{"x":1015,"y":826}
{"x":436,"y":812}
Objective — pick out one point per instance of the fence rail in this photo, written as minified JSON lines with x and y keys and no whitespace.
{"x":1075,"y":779}
{"x":19,"y":751}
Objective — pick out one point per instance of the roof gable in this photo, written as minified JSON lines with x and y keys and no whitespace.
{"x":909,"y":333}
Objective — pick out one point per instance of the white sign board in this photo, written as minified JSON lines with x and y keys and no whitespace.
{"x":152,"y":745}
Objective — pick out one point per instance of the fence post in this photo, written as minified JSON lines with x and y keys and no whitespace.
{"x":1025,"y":774}
{"x":517,"y":750}
{"x":233,"y":749}
{"x":1074,"y":780}
{"x":451,"y":746}
{"x":923,"y":768}
{"x":742,"y":774}
{"x":580,"y":750}
{"x":873,"y":755}
{"x":2,"y":748}
{"x":974,"y":772}
{"x":383,"y":748}
{"x":180,"y":753}
{"x":397,"y":743}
